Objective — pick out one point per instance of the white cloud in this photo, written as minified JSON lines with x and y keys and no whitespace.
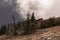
{"x":40,"y":7}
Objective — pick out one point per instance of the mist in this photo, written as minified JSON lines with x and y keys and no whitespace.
{"x":39,"y":7}
{"x":7,"y":9}
{"x":20,"y":9}
{"x":42,"y":8}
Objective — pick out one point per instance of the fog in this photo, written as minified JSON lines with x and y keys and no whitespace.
{"x":41,"y":8}
{"x":20,"y":8}
{"x":7,"y":9}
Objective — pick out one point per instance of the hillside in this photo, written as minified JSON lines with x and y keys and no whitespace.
{"x":40,"y":34}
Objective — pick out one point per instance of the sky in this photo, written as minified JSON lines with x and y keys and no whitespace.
{"x":19,"y":8}
{"x":41,"y":8}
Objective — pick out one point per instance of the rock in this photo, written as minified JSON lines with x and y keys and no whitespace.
{"x":56,"y":38}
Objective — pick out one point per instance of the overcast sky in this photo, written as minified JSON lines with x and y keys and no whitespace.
{"x":41,"y":8}
{"x":20,"y":8}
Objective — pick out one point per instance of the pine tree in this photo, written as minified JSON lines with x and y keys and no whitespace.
{"x":14,"y":25}
{"x":27,"y":25}
{"x":3,"y":30}
{"x":33,"y":22}
{"x":51,"y":21}
{"x":7,"y":30}
{"x":30,"y":24}
{"x":33,"y":18}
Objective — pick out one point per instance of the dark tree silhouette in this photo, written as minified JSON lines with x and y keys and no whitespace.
{"x":33,"y":22}
{"x":33,"y":18}
{"x":14,"y":25}
{"x":27,"y":25}
{"x":3,"y":30}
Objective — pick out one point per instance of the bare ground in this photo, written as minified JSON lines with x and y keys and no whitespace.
{"x":52,"y":33}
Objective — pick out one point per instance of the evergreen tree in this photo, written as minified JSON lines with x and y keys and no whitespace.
{"x":51,"y":21}
{"x":7,"y":30}
{"x":18,"y":25}
{"x":33,"y":22}
{"x":14,"y":25}
{"x":27,"y":25}
{"x":33,"y":18}
{"x":3,"y":30}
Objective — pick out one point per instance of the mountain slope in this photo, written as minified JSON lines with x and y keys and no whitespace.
{"x":40,"y":34}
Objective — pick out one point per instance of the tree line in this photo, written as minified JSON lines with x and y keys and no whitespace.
{"x":28,"y":26}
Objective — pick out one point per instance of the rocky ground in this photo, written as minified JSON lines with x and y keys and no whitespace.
{"x":52,"y":33}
